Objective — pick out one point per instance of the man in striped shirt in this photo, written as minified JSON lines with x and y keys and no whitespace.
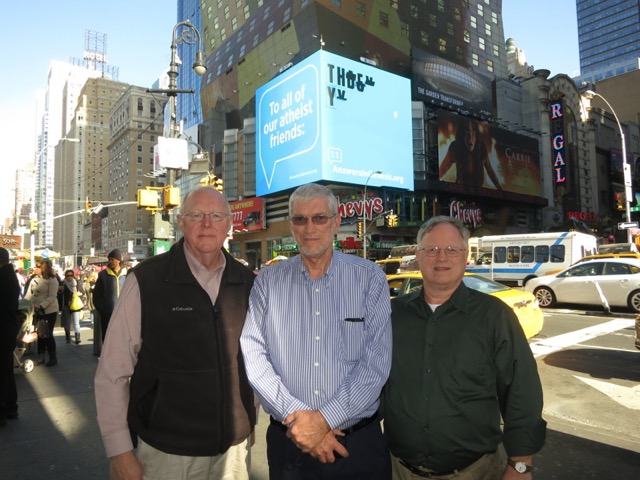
{"x":317,"y":347}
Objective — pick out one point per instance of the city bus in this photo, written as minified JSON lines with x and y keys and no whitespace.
{"x":515,"y":259}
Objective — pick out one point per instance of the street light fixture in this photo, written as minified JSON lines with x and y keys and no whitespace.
{"x":364,"y":213}
{"x":183,"y":32}
{"x":626,"y":168}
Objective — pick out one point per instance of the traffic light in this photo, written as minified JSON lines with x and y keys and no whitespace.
{"x":148,"y":199}
{"x":360,"y":230}
{"x":33,"y":225}
{"x":87,"y":206}
{"x":171,"y":197}
{"x":619,"y":201}
{"x":211,"y":180}
{"x":391,"y":220}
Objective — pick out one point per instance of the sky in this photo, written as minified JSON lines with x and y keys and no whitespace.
{"x":139,"y":34}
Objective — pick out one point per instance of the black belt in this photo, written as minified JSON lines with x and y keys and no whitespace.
{"x":423,"y":471}
{"x":353,"y":428}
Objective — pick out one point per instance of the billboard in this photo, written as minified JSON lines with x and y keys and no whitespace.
{"x":441,"y":82}
{"x":331,"y":118}
{"x":248,"y":215}
{"x":481,"y":156}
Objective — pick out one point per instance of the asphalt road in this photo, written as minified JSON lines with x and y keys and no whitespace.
{"x":56,"y":435}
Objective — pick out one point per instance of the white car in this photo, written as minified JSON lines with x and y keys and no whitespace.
{"x":617,"y":280}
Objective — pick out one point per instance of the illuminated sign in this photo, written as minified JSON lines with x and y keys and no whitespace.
{"x":331,"y":118}
{"x":248,"y":215}
{"x":469,"y":214}
{"x":10,"y":241}
{"x":557,"y":142}
{"x":477,"y":156}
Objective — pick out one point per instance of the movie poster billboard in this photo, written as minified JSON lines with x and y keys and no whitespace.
{"x":481,"y":156}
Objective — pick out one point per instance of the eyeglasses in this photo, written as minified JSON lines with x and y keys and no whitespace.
{"x":69,"y":275}
{"x":199,"y":216}
{"x":298,"y":221}
{"x":448,"y":251}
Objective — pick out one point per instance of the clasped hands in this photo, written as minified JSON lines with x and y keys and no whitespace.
{"x":311,"y":433}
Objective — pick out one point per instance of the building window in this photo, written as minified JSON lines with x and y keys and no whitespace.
{"x":494,"y":17}
{"x":459,"y":53}
{"x":456,"y":14}
{"x":481,"y":43}
{"x":442,"y":45}
{"x":433,"y":20}
{"x":424,"y":37}
{"x":487,"y":29}
{"x":384,"y":19}
{"x":393,"y":4}
{"x":361,"y":9}
{"x":336,"y":3}
{"x":404,"y":29}
{"x":413,"y":11}
{"x":496,"y":51}
{"x":450,"y":28}
{"x":139,"y":160}
{"x":490,"y":65}
{"x":441,"y":5}
{"x":467,"y":36}
{"x":475,"y":60}
{"x":473,"y":21}
{"x":140,"y":105}
{"x":140,"y":148}
{"x":480,"y":10}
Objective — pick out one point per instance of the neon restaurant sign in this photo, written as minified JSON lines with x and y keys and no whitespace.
{"x":557,"y":142}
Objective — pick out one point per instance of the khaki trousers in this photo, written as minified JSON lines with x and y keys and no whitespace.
{"x":234,"y":464}
{"x":488,"y":467}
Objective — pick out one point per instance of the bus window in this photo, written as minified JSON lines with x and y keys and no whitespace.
{"x":513,"y":254}
{"x":557,"y":253}
{"x":499,"y":255}
{"x":527,"y":254}
{"x":542,"y":253}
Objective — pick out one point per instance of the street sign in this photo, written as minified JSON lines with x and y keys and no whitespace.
{"x":625,"y":225}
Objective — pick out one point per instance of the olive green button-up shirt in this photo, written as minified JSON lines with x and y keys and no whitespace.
{"x":455,"y":372}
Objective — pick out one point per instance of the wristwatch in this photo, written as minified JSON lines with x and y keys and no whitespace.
{"x":520,"y":467}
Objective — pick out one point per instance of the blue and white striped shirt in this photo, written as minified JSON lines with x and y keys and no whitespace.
{"x":319,"y":344}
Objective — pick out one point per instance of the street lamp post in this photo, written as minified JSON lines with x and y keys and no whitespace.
{"x":626,"y":168}
{"x":183,"y":32}
{"x":364,"y":213}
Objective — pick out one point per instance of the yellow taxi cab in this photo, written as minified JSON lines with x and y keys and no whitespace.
{"x":524,"y":304}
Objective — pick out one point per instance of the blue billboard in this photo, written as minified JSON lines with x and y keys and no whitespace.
{"x":334,"y":119}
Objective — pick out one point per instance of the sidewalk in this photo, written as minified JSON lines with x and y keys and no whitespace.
{"x":56,"y":435}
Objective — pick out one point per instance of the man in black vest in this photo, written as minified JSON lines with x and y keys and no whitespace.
{"x":171,"y":376}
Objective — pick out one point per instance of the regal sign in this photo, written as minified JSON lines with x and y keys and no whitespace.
{"x":557,"y":142}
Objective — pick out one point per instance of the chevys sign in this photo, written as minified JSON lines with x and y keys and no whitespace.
{"x":467,"y":214}
{"x":248,"y":215}
{"x":354,"y":208}
{"x":10,"y":241}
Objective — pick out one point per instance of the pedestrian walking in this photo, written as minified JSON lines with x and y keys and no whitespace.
{"x":107,"y":288}
{"x":72,"y":291}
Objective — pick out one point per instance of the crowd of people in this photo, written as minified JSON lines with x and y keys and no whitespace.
{"x":440,"y":383}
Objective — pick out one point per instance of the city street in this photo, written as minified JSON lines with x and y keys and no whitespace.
{"x":591,"y":406}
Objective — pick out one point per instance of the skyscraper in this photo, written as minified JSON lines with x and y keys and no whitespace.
{"x":609,"y":38}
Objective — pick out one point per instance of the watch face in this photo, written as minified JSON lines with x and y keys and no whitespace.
{"x":520,"y":467}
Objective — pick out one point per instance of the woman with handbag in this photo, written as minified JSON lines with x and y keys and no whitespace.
{"x":42,"y":292}
{"x":71,"y":305}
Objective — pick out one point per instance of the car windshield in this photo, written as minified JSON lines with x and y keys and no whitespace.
{"x":483,"y":284}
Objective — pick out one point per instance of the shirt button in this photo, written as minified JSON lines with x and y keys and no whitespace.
{"x":317,"y":339}
{"x":317,"y":314}
{"x":316,"y":392}
{"x":316,"y":364}
{"x":317,"y":290}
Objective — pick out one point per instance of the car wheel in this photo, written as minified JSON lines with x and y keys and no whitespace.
{"x":28,"y":365}
{"x":634,"y":301}
{"x":545,"y":297}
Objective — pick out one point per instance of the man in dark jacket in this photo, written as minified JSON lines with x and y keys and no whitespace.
{"x":171,"y":375}
{"x":107,"y":288}
{"x":9,"y":326}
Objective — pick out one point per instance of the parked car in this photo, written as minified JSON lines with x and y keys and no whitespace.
{"x":523,"y":304}
{"x":600,"y":256}
{"x":618,"y":280}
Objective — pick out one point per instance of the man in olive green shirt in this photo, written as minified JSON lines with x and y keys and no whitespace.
{"x":460,"y":363}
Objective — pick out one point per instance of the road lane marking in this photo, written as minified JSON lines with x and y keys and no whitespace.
{"x":554,"y":344}
{"x":628,"y":397}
